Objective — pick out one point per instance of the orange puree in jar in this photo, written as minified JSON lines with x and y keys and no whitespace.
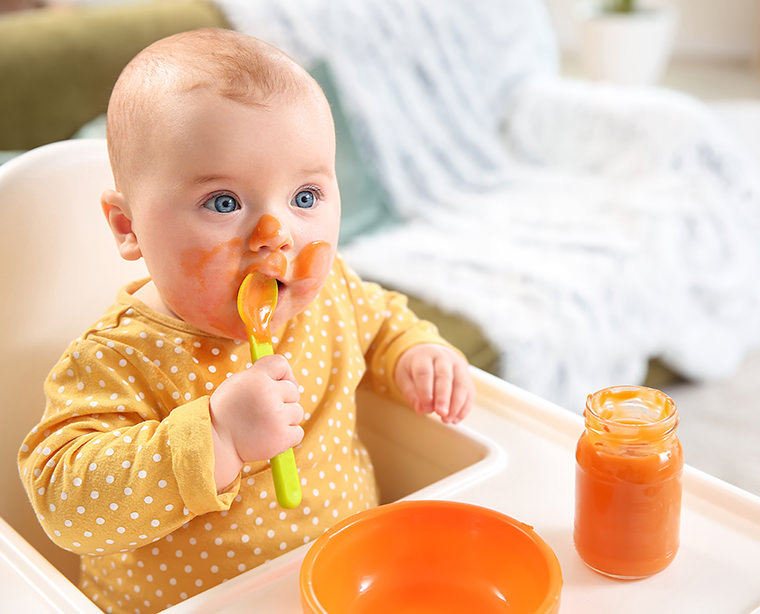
{"x":628,"y":482}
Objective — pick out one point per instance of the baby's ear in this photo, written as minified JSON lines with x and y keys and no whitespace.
{"x":119,"y":219}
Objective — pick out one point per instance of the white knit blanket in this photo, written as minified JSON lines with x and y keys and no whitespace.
{"x":585,"y":228}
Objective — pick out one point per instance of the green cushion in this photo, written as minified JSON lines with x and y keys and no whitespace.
{"x":365,"y":204}
{"x":58,"y":64}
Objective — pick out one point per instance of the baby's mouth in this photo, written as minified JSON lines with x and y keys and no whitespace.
{"x":282,"y":288}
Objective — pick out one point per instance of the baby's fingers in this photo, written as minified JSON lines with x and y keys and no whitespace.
{"x":290,"y":432}
{"x":276,"y":367}
{"x":462,"y":398}
{"x":444,"y":379}
{"x":423,"y":378}
{"x":288,"y":391}
{"x":415,"y":381}
{"x":408,"y":388}
{"x":296,"y":434}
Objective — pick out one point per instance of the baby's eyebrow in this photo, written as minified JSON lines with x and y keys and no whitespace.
{"x":321,"y":170}
{"x":203,"y":179}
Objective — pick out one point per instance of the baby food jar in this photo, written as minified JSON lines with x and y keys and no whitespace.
{"x":628,"y":482}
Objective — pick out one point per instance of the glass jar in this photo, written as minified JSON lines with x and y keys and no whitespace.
{"x":628,"y":482}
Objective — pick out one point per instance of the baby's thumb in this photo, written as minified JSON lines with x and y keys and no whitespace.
{"x":277,"y":367}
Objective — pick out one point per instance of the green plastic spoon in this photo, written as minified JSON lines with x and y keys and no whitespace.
{"x":256,"y":300}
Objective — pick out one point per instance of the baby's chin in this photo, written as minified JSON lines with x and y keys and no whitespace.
{"x":232,"y":327}
{"x":224,"y":333}
{"x":278,"y":322}
{"x":289,"y":305}
{"x":228,"y":328}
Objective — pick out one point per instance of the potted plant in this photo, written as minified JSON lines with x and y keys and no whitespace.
{"x":626,"y":42}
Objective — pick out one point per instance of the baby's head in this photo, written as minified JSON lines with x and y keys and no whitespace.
{"x":223,"y":155}
{"x":149,"y":91}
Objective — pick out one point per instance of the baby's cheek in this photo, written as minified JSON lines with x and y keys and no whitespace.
{"x":207,"y":267}
{"x":215,"y":310}
{"x":209,"y":292}
{"x":312,"y":265}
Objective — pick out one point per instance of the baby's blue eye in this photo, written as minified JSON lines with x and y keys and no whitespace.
{"x":305,"y":199}
{"x":223,"y":203}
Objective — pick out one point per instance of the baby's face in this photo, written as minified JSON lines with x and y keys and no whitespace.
{"x":226,"y":189}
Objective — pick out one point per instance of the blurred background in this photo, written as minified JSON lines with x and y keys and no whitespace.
{"x":715,"y":56}
{"x":715,"y":49}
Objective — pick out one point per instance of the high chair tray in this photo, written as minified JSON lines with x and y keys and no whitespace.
{"x":514,"y":454}
{"x":717,"y":570}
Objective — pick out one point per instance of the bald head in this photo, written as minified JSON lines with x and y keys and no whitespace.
{"x":150,"y":89}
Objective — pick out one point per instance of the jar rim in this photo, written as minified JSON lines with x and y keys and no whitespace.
{"x":631,"y":412}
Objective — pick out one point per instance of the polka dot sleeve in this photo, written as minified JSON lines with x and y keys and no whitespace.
{"x":105,"y":470}
{"x":387,"y":328}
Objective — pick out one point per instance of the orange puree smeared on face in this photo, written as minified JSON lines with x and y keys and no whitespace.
{"x":312,"y":265}
{"x":628,"y":483}
{"x":213,"y":278}
{"x":257,"y":296}
{"x":209,"y":275}
{"x":267,"y":229}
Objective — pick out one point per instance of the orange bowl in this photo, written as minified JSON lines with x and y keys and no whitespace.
{"x":430,"y":557}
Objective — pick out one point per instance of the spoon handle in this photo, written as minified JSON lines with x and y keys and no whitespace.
{"x":287,"y":487}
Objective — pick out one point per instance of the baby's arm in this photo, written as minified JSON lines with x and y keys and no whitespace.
{"x":434,"y":378}
{"x":121,"y":457}
{"x":406,"y":357}
{"x":104,"y":479}
{"x":255,"y":415}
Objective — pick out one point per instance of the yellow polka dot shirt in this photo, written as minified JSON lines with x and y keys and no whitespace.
{"x":120,"y":469}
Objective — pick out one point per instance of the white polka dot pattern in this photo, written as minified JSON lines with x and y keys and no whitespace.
{"x":120,"y":469}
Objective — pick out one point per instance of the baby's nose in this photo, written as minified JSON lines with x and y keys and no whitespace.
{"x":269,"y":233}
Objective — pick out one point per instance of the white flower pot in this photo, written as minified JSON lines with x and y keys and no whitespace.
{"x":627,"y":48}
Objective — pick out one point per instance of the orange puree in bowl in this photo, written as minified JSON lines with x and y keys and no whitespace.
{"x":628,"y":483}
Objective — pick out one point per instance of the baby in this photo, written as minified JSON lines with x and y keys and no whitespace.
{"x":151,"y":458}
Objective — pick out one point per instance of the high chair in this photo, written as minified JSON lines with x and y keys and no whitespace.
{"x":60,"y":270}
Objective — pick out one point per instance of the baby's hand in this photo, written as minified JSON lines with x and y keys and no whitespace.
{"x":255,"y":415}
{"x":434,"y":378}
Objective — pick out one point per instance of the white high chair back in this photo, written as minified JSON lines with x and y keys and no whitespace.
{"x":60,"y":270}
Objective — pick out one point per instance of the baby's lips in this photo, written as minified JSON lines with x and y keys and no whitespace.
{"x":274,"y":266}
